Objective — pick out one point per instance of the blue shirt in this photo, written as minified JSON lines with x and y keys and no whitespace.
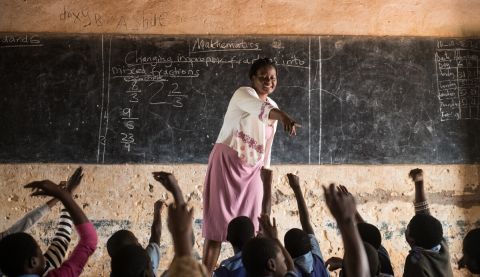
{"x":231,"y":267}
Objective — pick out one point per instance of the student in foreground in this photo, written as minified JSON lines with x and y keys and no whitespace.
{"x":180,"y":227}
{"x":58,"y":247}
{"x":343,"y":208}
{"x":471,"y":252}
{"x":266,"y":256}
{"x":429,"y":255}
{"x":20,"y":254}
{"x":302,"y":244}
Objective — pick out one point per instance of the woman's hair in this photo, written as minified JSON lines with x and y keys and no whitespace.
{"x":259,"y":64}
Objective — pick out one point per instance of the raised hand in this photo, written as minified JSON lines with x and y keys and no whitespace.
{"x":170,"y":183}
{"x":341,"y":205}
{"x":46,"y":188}
{"x":269,"y":229}
{"x":416,"y":174}
{"x":293,"y":181}
{"x":167,"y":179}
{"x":74,"y":180}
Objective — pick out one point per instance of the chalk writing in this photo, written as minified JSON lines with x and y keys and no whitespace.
{"x":458,"y":85}
{"x":86,"y":18}
{"x":216,"y":45}
{"x":13,"y":41}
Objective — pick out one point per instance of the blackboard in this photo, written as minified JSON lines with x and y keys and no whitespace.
{"x":161,"y":99}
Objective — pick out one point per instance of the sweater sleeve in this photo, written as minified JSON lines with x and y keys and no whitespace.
{"x":74,"y":265}
{"x":245,"y":99}
{"x":57,"y":249}
{"x":27,"y":221}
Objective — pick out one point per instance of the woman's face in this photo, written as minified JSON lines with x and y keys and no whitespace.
{"x":265,"y":80}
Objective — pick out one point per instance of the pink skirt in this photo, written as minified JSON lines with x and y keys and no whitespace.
{"x":231,"y":189}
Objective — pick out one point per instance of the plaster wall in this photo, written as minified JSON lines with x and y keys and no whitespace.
{"x":122,"y":196}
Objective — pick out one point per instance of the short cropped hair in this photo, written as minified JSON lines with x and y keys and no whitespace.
{"x":256,"y":253}
{"x":426,"y":230}
{"x":239,"y":231}
{"x":16,"y":250}
{"x":120,"y":239}
{"x":297,"y":242}
{"x":370,"y":233}
{"x":260,"y":63}
{"x":131,"y":261}
{"x":471,"y":247}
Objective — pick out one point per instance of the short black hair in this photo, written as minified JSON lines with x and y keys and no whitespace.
{"x":119,"y":239}
{"x":130,"y":261}
{"x":256,"y":253}
{"x":297,"y":242}
{"x":370,"y":233}
{"x":426,"y":230}
{"x":260,"y":63}
{"x":15,"y":251}
{"x":471,"y":247}
{"x":239,"y":231}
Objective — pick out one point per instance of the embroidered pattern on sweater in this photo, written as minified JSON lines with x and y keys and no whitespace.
{"x":262,"y":110}
{"x":251,"y":142}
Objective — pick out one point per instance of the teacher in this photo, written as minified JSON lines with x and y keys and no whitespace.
{"x":233,"y":186}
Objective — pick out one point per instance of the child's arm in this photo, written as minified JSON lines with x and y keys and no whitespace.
{"x":171,"y":185}
{"x":88,"y":237}
{"x":270,"y":231}
{"x":153,"y":248}
{"x":343,"y":210}
{"x":358,"y":217}
{"x":266,"y":175}
{"x":294,"y":183}
{"x":57,"y":250}
{"x":420,"y":203}
{"x":29,"y":219}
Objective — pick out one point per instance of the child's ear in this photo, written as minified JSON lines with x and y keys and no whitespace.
{"x":271,"y":265}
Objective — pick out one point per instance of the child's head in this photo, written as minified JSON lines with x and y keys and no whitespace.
{"x":471,"y":251}
{"x":240,"y":230}
{"x":425,"y":231}
{"x":120,"y":239}
{"x":131,"y":261}
{"x":370,"y":233}
{"x":20,"y":254}
{"x":297,"y":242}
{"x":263,"y":257}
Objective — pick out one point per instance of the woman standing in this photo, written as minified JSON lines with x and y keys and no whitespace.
{"x":233,"y":186}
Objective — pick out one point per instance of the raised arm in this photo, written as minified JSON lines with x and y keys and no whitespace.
{"x":266,"y":175}
{"x":345,"y":191}
{"x":58,"y":247}
{"x":420,"y":203}
{"x":170,"y":183}
{"x":270,"y":231}
{"x":343,"y":210}
{"x":294,"y":183}
{"x":156,"y":230}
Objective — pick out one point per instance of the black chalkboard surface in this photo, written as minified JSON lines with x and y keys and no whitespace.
{"x":159,"y":99}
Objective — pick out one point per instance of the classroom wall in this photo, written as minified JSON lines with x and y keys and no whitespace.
{"x":122,"y":196}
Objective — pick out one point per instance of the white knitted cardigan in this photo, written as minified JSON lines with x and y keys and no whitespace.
{"x":244,"y":124}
